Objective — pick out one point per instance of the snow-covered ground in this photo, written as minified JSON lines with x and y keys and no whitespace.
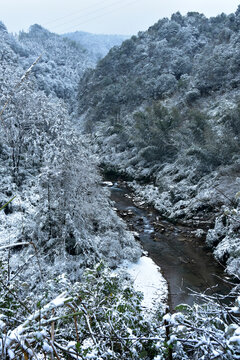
{"x":149,"y":280}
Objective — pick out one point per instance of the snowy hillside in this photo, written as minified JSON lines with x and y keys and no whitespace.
{"x":164,"y":108}
{"x":46,"y":163}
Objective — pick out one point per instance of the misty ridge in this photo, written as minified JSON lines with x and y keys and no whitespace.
{"x":160,"y":110}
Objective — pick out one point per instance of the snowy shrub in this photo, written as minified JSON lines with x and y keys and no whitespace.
{"x":65,"y":209}
{"x":192,"y":95}
{"x":153,"y":132}
{"x":166,"y":84}
{"x":206,"y":331}
{"x":224,"y":238}
{"x":100,"y":317}
{"x":219,"y":231}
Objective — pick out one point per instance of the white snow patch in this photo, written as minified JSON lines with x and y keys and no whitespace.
{"x":11,"y":354}
{"x":2,"y":324}
{"x":235,"y":340}
{"x":71,"y":344}
{"x":46,"y":347}
{"x":87,"y":343}
{"x":10,"y":227}
{"x":149,"y":280}
{"x":107,"y":183}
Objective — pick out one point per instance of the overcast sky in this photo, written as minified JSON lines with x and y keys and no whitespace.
{"x":105,"y":16}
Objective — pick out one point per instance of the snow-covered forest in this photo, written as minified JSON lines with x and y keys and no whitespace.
{"x":162,"y":109}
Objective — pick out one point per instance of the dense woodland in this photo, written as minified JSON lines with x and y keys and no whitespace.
{"x":162,"y":108}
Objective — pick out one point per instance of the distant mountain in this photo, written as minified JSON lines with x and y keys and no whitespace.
{"x":63,"y":61}
{"x":64,"y":58}
{"x":98,"y":45}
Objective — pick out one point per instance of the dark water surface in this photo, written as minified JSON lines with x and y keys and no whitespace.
{"x":185,"y":261}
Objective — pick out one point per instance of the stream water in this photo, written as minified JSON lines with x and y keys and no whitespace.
{"x":185,"y":261}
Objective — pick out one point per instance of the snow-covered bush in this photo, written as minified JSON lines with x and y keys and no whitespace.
{"x":205,"y":331}
{"x":225,"y":239}
{"x":99,"y":317}
{"x":152,"y":132}
{"x":102,"y":317}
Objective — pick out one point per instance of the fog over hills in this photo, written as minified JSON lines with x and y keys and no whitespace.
{"x":97,"y":44}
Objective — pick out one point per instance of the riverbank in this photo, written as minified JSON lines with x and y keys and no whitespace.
{"x":185,"y":261}
{"x":148,"y":279}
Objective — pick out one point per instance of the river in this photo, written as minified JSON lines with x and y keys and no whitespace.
{"x":185,"y":261}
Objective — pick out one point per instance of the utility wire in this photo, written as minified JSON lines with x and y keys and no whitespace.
{"x":75,"y":12}
{"x":99,"y":16}
{"x":96,"y":11}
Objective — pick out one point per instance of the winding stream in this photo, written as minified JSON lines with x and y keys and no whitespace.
{"x":185,"y":261}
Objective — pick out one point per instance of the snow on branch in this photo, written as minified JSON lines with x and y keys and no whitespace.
{"x":14,"y":245}
{"x":20,"y":82}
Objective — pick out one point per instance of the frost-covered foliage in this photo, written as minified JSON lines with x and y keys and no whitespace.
{"x":181,"y":191}
{"x":148,"y":95}
{"x":64,"y":207}
{"x":63,"y":58}
{"x":189,"y":50}
{"x":101,"y":317}
{"x":225,"y":239}
{"x":61,"y":209}
{"x":206,"y":331}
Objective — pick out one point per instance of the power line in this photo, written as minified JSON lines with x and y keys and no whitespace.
{"x":90,"y":13}
{"x":74,"y":13}
{"x":100,"y":15}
